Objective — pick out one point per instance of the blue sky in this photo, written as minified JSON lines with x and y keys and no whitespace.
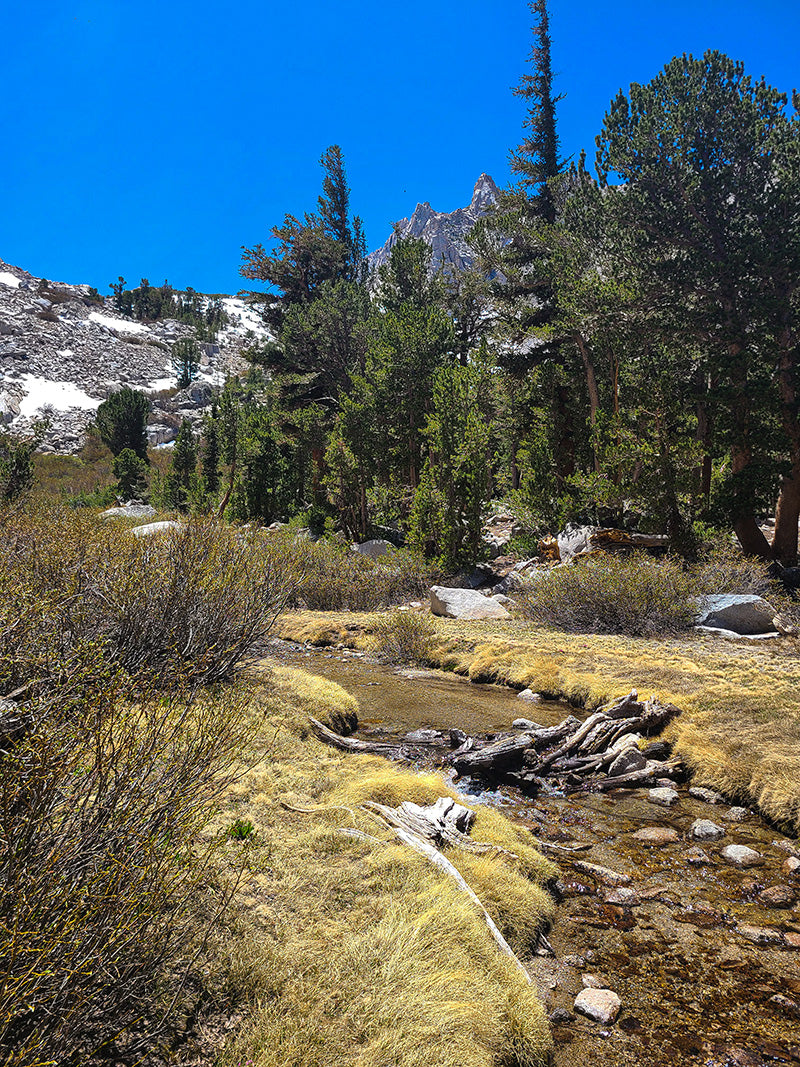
{"x":157,"y":138}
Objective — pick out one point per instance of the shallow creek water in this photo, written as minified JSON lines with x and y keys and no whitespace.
{"x":695,"y":987}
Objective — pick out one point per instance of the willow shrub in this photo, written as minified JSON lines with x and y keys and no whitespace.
{"x":100,"y":873}
{"x":190,"y":602}
{"x":635,"y":595}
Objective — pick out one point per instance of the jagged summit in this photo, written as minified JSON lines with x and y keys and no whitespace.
{"x":445,"y":231}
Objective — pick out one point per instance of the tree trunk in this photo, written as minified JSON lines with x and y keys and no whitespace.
{"x":787,"y":512}
{"x":594,"y":392}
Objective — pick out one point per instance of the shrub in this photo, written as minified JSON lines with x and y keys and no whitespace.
{"x":332,"y":577}
{"x":100,"y":807}
{"x":404,"y":636}
{"x":635,"y":595}
{"x":192,"y":602}
{"x":724,"y":568}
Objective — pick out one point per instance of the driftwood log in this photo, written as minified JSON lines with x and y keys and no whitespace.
{"x":600,"y":753}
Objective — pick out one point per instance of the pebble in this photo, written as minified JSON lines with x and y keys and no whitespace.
{"x":601,"y":1005}
{"x":792,"y":939}
{"x":705,"y":830}
{"x":791,"y":1007}
{"x":656,"y":836}
{"x":574,"y":961}
{"x":591,"y":981}
{"x":699,"y":792}
{"x":664,"y":796}
{"x":623,"y":896}
{"x":791,"y":867}
{"x":778,"y":896}
{"x":787,"y":846}
{"x":602,"y":874}
{"x":560,"y":1016}
{"x":760,"y":935}
{"x":736,"y":814}
{"x":696,"y":856}
{"x":741,"y":856}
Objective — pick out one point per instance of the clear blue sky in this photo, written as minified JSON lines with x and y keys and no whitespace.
{"x":157,"y":138}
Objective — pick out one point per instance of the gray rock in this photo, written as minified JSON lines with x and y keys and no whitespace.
{"x":560,"y":1017}
{"x":622,"y":896}
{"x":591,"y":981}
{"x":741,"y":856}
{"x":128,"y":511}
{"x":602,"y":1005}
{"x":573,"y":961}
{"x":152,"y":528}
{"x":374,"y":549}
{"x":604,"y":875}
{"x":708,"y":795}
{"x":743,"y":613}
{"x":528,"y":694}
{"x":736,"y":814}
{"x":464,"y":604}
{"x":631,"y":759}
{"x":663,"y":795}
{"x":791,"y":867}
{"x":705,"y":830}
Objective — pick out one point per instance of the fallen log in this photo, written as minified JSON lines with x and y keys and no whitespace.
{"x":351,"y":744}
{"x":499,"y":756}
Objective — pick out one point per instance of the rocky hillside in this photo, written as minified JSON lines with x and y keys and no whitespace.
{"x":444,"y":231}
{"x":63,"y":351}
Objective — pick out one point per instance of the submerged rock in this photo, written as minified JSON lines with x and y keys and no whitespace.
{"x":699,"y":792}
{"x":528,"y":694}
{"x":760,"y":935}
{"x":778,"y":896}
{"x":696,"y":856}
{"x":602,"y":1005}
{"x":656,"y":836}
{"x":666,"y":796}
{"x":603,"y":874}
{"x":705,"y":830}
{"x":741,"y":856}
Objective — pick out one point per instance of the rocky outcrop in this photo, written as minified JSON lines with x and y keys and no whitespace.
{"x":63,"y":351}
{"x":444,"y":231}
{"x":738,"y":613}
{"x":465,"y":604}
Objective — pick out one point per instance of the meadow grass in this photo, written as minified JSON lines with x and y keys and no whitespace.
{"x":740,"y":727}
{"x":358,"y":951}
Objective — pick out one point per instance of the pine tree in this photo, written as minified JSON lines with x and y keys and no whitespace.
{"x":122,"y":421}
{"x":210,"y":454}
{"x":536,"y":159}
{"x":185,"y":361}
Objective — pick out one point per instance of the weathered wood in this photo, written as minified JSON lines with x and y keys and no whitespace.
{"x":549,"y":735}
{"x":499,"y":756}
{"x":351,"y":744}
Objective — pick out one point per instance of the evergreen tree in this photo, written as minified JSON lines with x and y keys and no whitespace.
{"x":131,"y":474}
{"x":210,"y":454}
{"x":122,"y":421}
{"x":185,"y":361}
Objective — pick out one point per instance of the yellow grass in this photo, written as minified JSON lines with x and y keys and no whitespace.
{"x":360,"y":952}
{"x":740,"y":731}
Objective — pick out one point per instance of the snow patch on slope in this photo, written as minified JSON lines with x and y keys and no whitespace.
{"x":7,"y":278}
{"x":120,"y":325}
{"x":42,"y":393}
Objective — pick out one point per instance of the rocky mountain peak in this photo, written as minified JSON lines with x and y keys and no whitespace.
{"x":445,"y":231}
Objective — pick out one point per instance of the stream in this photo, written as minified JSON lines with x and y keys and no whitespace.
{"x":707,"y":969}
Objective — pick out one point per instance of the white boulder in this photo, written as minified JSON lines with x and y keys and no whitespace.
{"x":464,"y":604}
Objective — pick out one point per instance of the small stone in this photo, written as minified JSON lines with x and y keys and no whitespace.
{"x":528,"y":694}
{"x":603,"y":874}
{"x":760,"y":935}
{"x":787,"y":846}
{"x":665,"y":796}
{"x":792,"y":939}
{"x":699,"y":792}
{"x":741,"y":856}
{"x":525,"y":724}
{"x":591,"y":981}
{"x":696,"y":856}
{"x":778,"y":896}
{"x":736,"y":814}
{"x":705,"y":830}
{"x":602,"y":1005}
{"x":656,"y":836}
{"x":791,"y":1007}
{"x":560,"y":1017}
{"x":791,"y":867}
{"x":622,"y":896}
{"x":578,"y":962}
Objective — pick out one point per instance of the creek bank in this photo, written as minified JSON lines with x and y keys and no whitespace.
{"x":696,"y":949}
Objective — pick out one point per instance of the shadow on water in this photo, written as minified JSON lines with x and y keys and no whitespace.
{"x":707,"y":969}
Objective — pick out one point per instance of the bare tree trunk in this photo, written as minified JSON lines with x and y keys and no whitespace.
{"x":594,"y":392}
